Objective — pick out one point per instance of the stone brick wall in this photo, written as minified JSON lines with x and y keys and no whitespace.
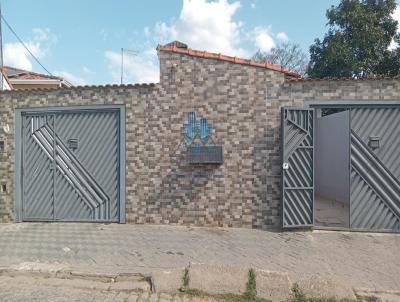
{"x":243,"y":104}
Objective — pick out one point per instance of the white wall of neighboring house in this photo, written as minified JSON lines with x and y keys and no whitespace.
{"x":6,"y":86}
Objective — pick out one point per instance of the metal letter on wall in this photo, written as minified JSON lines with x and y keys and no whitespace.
{"x":375,"y":169}
{"x":297,"y":167}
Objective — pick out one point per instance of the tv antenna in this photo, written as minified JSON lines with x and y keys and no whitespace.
{"x":129,"y":51}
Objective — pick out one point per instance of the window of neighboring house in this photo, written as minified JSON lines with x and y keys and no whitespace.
{"x":2,"y":146}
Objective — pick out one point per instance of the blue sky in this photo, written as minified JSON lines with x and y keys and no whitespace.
{"x":81,"y":39}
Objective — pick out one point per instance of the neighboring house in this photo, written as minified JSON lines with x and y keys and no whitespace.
{"x":5,"y":83}
{"x":19,"y":79}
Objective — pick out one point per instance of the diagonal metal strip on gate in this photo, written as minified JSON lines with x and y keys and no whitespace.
{"x":374,"y":173}
{"x":73,"y":171}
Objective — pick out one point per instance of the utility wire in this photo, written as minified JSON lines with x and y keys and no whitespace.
{"x":23,"y":44}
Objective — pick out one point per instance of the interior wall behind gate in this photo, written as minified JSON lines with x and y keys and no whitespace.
{"x":332,"y":157}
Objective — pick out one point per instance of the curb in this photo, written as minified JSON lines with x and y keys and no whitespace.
{"x":123,"y":281}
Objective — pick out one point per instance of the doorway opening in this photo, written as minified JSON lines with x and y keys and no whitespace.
{"x":332,"y":164}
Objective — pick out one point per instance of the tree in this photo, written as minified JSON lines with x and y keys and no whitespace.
{"x":288,"y":55}
{"x":357,"y":43}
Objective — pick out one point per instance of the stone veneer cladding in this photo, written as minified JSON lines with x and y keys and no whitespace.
{"x":243,"y":104}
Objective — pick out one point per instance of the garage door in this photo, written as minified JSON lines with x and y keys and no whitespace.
{"x":71,"y":165}
{"x":375,"y":169}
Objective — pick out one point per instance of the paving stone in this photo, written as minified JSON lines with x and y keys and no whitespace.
{"x":324,"y":287}
{"x":274,"y":286}
{"x":130,"y":285}
{"x":166,"y":298}
{"x":218,"y":279}
{"x":378,"y":296}
{"x":133,"y":297}
{"x":167,"y":280}
{"x":153,"y":297}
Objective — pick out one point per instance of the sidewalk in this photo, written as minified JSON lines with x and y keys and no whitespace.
{"x":363,"y":260}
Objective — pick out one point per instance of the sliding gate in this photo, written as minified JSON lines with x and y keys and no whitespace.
{"x":374,"y":171}
{"x":71,"y":165}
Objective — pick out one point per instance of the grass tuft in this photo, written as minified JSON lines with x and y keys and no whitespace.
{"x":299,"y":296}
{"x":251,"y":287}
{"x":186,"y":279}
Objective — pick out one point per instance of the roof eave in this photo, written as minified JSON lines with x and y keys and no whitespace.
{"x":218,"y":56}
{"x":33,"y":82}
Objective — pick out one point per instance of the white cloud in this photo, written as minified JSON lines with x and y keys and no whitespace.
{"x":147,"y":32}
{"x":15,"y":54}
{"x":44,"y":34}
{"x":142,"y":68}
{"x":282,"y":37}
{"x":87,"y":71}
{"x":396,"y":16}
{"x":103,"y":34}
{"x":205,"y":25}
{"x":72,"y":78}
{"x":253,"y":5}
{"x":262,"y":38}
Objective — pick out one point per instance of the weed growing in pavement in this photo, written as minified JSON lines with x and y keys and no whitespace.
{"x":299,"y":296}
{"x":186,"y":279}
{"x":251,"y":286}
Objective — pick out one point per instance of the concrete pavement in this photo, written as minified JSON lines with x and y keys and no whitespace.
{"x":361,"y":260}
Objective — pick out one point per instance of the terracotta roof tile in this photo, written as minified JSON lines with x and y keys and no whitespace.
{"x":135,"y":86}
{"x":20,"y":74}
{"x":210,"y":55}
{"x":344,"y":79}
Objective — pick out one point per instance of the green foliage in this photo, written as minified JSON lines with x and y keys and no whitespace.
{"x":298,"y":296}
{"x":357,"y":43}
{"x":186,"y":278}
{"x":222,"y":297}
{"x":194,"y":292}
{"x":250,"y":295}
{"x":251,"y":286}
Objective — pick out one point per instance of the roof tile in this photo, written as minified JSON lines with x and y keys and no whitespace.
{"x":20,"y":74}
{"x":210,"y":55}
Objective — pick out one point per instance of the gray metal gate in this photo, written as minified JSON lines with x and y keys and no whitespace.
{"x":297,"y":167}
{"x":72,"y":165}
{"x":375,"y":168}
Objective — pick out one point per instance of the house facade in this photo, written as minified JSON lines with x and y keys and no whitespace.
{"x":240,"y":98}
{"x":19,"y":79}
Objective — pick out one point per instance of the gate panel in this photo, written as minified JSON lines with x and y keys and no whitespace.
{"x":90,"y":144}
{"x":38,"y":170}
{"x":71,"y":165}
{"x":298,"y":167}
{"x":375,"y":169}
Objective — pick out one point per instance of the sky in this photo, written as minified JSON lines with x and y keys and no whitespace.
{"x":81,"y":40}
